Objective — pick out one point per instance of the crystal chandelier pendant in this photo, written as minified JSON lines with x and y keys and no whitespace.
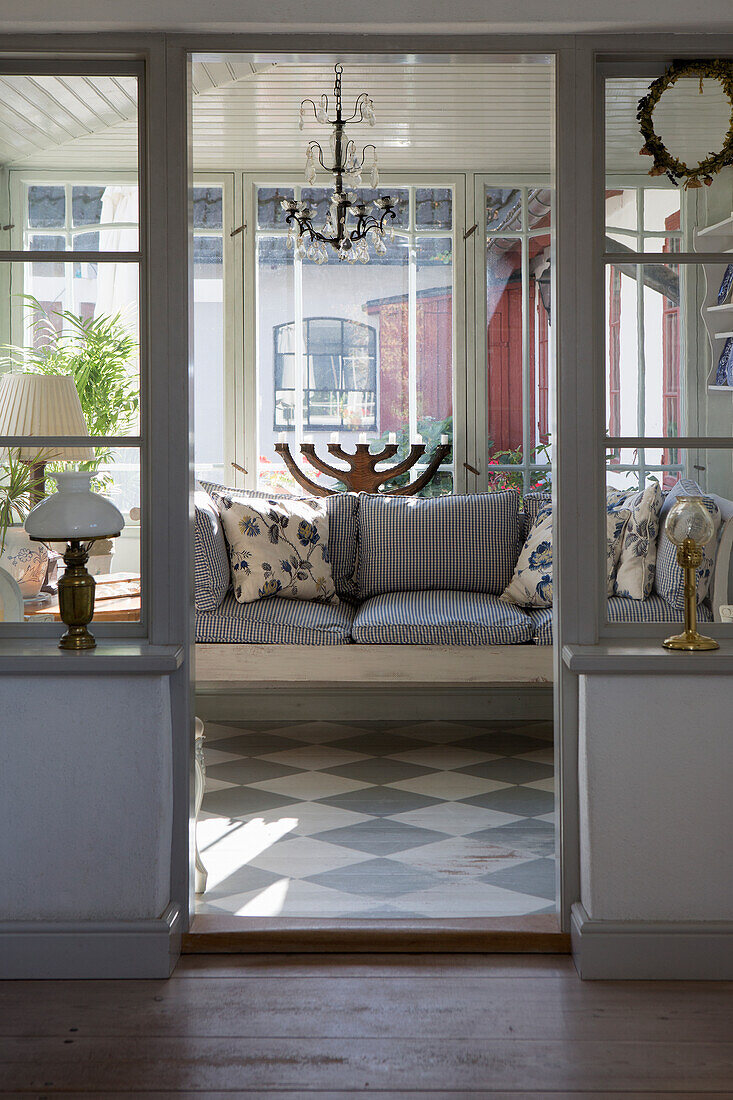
{"x":348,"y":222}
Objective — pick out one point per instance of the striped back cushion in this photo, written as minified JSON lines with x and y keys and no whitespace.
{"x":463,"y":543}
{"x":211,"y":568}
{"x":533,"y":502}
{"x":342,"y":530}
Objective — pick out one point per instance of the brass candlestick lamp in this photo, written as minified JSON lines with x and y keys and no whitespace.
{"x":79,"y":517}
{"x":690,"y":527}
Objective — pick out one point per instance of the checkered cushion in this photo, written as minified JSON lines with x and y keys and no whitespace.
{"x":653,"y":609}
{"x":211,"y":568}
{"x":464,"y":543}
{"x":440,"y":618}
{"x":541,"y":624}
{"x":276,"y":622}
{"x":342,"y":511}
{"x":621,"y":609}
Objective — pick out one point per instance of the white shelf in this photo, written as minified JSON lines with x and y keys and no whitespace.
{"x":717,"y":229}
{"x":715,"y":309}
{"x":723,"y":335}
{"x":721,"y":389}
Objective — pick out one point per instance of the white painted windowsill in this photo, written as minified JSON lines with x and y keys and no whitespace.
{"x":647,"y":655}
{"x":120,"y":656}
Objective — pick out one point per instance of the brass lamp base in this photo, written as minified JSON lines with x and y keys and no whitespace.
{"x":76,"y":598}
{"x":690,"y":640}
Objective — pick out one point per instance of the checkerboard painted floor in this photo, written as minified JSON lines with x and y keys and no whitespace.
{"x":378,"y":819}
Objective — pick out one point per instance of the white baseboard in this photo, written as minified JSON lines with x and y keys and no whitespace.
{"x":636,"y":950}
{"x":91,"y":949}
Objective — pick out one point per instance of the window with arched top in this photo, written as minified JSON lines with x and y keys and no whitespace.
{"x":339,"y":388}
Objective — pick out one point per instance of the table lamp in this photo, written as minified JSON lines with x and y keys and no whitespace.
{"x":690,"y":527}
{"x":43,"y":405}
{"x":77,"y":516}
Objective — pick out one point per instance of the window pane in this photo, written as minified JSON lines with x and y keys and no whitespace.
{"x":710,"y":469}
{"x":434,"y":339}
{"x":114,"y":562}
{"x":504,"y":349}
{"x":46,"y":207}
{"x":270,"y":213}
{"x":85,"y":323}
{"x":645,"y":339}
{"x":207,"y":208}
{"x":208,"y":341}
{"x":113,"y":208}
{"x":503,"y":209}
{"x":434,"y":207}
{"x":208,"y":257}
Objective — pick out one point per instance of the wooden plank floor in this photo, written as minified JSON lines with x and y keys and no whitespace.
{"x":341,"y":1027}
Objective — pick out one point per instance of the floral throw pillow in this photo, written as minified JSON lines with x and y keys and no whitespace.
{"x":637,"y":563}
{"x":531,"y":585}
{"x":278,"y":548}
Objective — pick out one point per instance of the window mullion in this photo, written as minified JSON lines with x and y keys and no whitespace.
{"x":412,"y":328}
{"x":526,"y":365}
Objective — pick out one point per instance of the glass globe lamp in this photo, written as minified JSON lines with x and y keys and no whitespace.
{"x":77,"y":516}
{"x":689,"y":527}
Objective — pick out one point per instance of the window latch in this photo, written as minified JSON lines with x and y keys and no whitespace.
{"x":472,"y":469}
{"x":470,"y":232}
{"x":238,"y":467}
{"x":239,"y":229}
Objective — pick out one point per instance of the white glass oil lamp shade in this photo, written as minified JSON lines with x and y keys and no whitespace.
{"x":77,"y":516}
{"x":689,"y":527}
{"x":74,"y":512}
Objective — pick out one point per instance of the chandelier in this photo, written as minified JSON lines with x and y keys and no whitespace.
{"x":349,"y":228}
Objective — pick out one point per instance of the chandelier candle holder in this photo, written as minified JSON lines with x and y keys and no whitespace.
{"x":362,"y":475}
{"x":349,"y":228}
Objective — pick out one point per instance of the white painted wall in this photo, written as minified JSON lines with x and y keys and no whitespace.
{"x":85,"y":797}
{"x":656,"y":768}
{"x":539,"y":16}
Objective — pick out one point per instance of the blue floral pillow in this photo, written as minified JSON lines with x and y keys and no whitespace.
{"x":531,"y":585}
{"x":278,"y":548}
{"x":637,"y":563}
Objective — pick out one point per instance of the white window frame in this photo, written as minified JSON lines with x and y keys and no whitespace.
{"x":232,"y":308}
{"x":247,"y":399}
{"x":640,"y":183}
{"x":478,"y":330}
{"x":17,"y":254}
{"x":601,"y":259}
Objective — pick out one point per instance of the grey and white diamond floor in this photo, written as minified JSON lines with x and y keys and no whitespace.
{"x":378,"y":819}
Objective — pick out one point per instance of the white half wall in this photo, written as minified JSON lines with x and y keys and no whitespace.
{"x":656,"y":772}
{"x":86,"y":798}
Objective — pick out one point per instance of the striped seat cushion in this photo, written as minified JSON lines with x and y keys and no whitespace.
{"x":211,"y":563}
{"x":276,"y":622}
{"x":342,"y":511}
{"x":621,"y":609}
{"x":440,"y":618}
{"x":653,"y":609}
{"x":541,"y":624}
{"x":464,"y":543}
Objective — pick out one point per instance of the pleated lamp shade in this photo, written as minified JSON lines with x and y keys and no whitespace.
{"x":43,"y":404}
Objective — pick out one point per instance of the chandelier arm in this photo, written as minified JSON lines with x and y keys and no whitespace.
{"x":358,"y":109}
{"x":371,"y":145}
{"x":315,"y":110}
{"x":316,"y":145}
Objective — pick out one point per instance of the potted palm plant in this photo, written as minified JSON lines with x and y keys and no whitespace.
{"x":100,"y":354}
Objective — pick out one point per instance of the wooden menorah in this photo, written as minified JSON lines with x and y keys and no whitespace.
{"x":362,"y":475}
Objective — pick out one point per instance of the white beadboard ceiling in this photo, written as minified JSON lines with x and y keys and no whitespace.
{"x":493,"y":115}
